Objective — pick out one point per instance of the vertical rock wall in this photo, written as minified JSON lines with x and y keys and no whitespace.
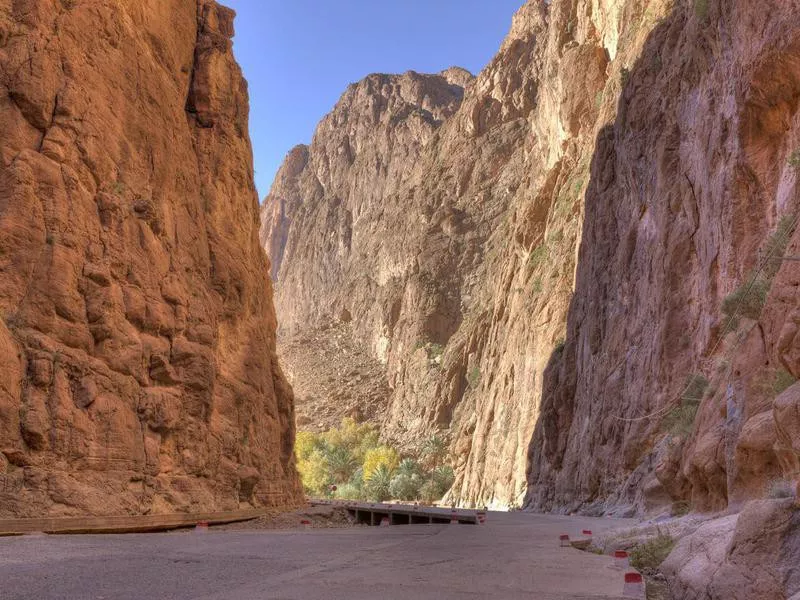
{"x":137,"y":343}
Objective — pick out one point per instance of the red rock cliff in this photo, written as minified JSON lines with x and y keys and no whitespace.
{"x":137,"y":345}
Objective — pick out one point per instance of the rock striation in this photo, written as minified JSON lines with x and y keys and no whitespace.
{"x":138,"y":371}
{"x":570,"y":266}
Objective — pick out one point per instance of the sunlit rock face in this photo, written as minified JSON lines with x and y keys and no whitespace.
{"x":539,"y":264}
{"x":138,"y":371}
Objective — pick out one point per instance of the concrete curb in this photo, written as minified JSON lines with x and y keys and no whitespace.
{"x":126,"y":524}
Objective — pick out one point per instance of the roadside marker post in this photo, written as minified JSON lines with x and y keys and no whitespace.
{"x":564,"y":539}
{"x":385,"y":522}
{"x":634,"y":586}
{"x":201,"y":527}
{"x":621,"y":560}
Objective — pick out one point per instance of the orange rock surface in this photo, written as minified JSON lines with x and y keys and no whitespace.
{"x":138,"y":371}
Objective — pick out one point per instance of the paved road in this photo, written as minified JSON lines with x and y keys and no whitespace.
{"x":514,"y":556}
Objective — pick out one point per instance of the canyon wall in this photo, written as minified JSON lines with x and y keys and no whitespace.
{"x":138,"y":371}
{"x":681,"y":334}
{"x":555,"y":269}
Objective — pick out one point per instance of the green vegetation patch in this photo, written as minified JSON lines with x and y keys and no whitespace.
{"x":538,"y":256}
{"x":352,"y":458}
{"x":650,"y":554}
{"x":701,"y":9}
{"x":748,"y":300}
{"x":474,"y":377}
{"x":680,"y":420}
{"x":780,"y":488}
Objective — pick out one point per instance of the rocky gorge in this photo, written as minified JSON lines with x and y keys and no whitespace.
{"x":570,"y":263}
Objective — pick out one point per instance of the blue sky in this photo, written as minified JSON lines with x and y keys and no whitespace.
{"x":300,"y":55}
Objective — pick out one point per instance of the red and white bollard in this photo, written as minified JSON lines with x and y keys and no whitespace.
{"x":201,"y":527}
{"x":453,"y":518}
{"x":481,"y":517}
{"x":587,"y":532}
{"x":621,"y":560}
{"x":305,"y":523}
{"x":634,"y":586}
{"x":564,"y":539}
{"x":385,"y":522}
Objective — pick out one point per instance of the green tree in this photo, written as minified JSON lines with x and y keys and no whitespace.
{"x":433,"y":451}
{"x":341,"y":463}
{"x":382,"y":456}
{"x":378,"y":484}
{"x":315,"y":473}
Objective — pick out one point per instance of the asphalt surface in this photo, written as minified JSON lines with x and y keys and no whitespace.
{"x":513,"y":556}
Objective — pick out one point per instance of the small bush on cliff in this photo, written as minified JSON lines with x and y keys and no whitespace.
{"x":680,"y":420}
{"x":794,"y":159}
{"x":779,"y":488}
{"x":782,"y":381}
{"x":538,"y":256}
{"x":650,"y":554}
{"x":747,"y":300}
{"x":701,"y":9}
{"x":474,"y":377}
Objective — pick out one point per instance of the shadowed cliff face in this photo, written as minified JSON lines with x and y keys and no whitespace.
{"x":693,"y":189}
{"x":561,"y":246}
{"x":137,"y":347}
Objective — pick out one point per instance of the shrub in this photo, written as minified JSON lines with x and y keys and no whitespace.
{"x":348,"y":491}
{"x":652,"y":553}
{"x":680,"y":420}
{"x":435,"y":351}
{"x":779,"y":488}
{"x":378,"y":485}
{"x":538,"y":256}
{"x":695,"y":386}
{"x":315,"y":473}
{"x":775,"y":247}
{"x":747,"y":300}
{"x":794,"y":159}
{"x":444,"y":477}
{"x":406,"y":486}
{"x":474,"y":377}
{"x":382,"y":456}
{"x":559,"y":345}
{"x":304,"y":444}
{"x":681,"y":508}
{"x":701,"y":9}
{"x":782,"y":381}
